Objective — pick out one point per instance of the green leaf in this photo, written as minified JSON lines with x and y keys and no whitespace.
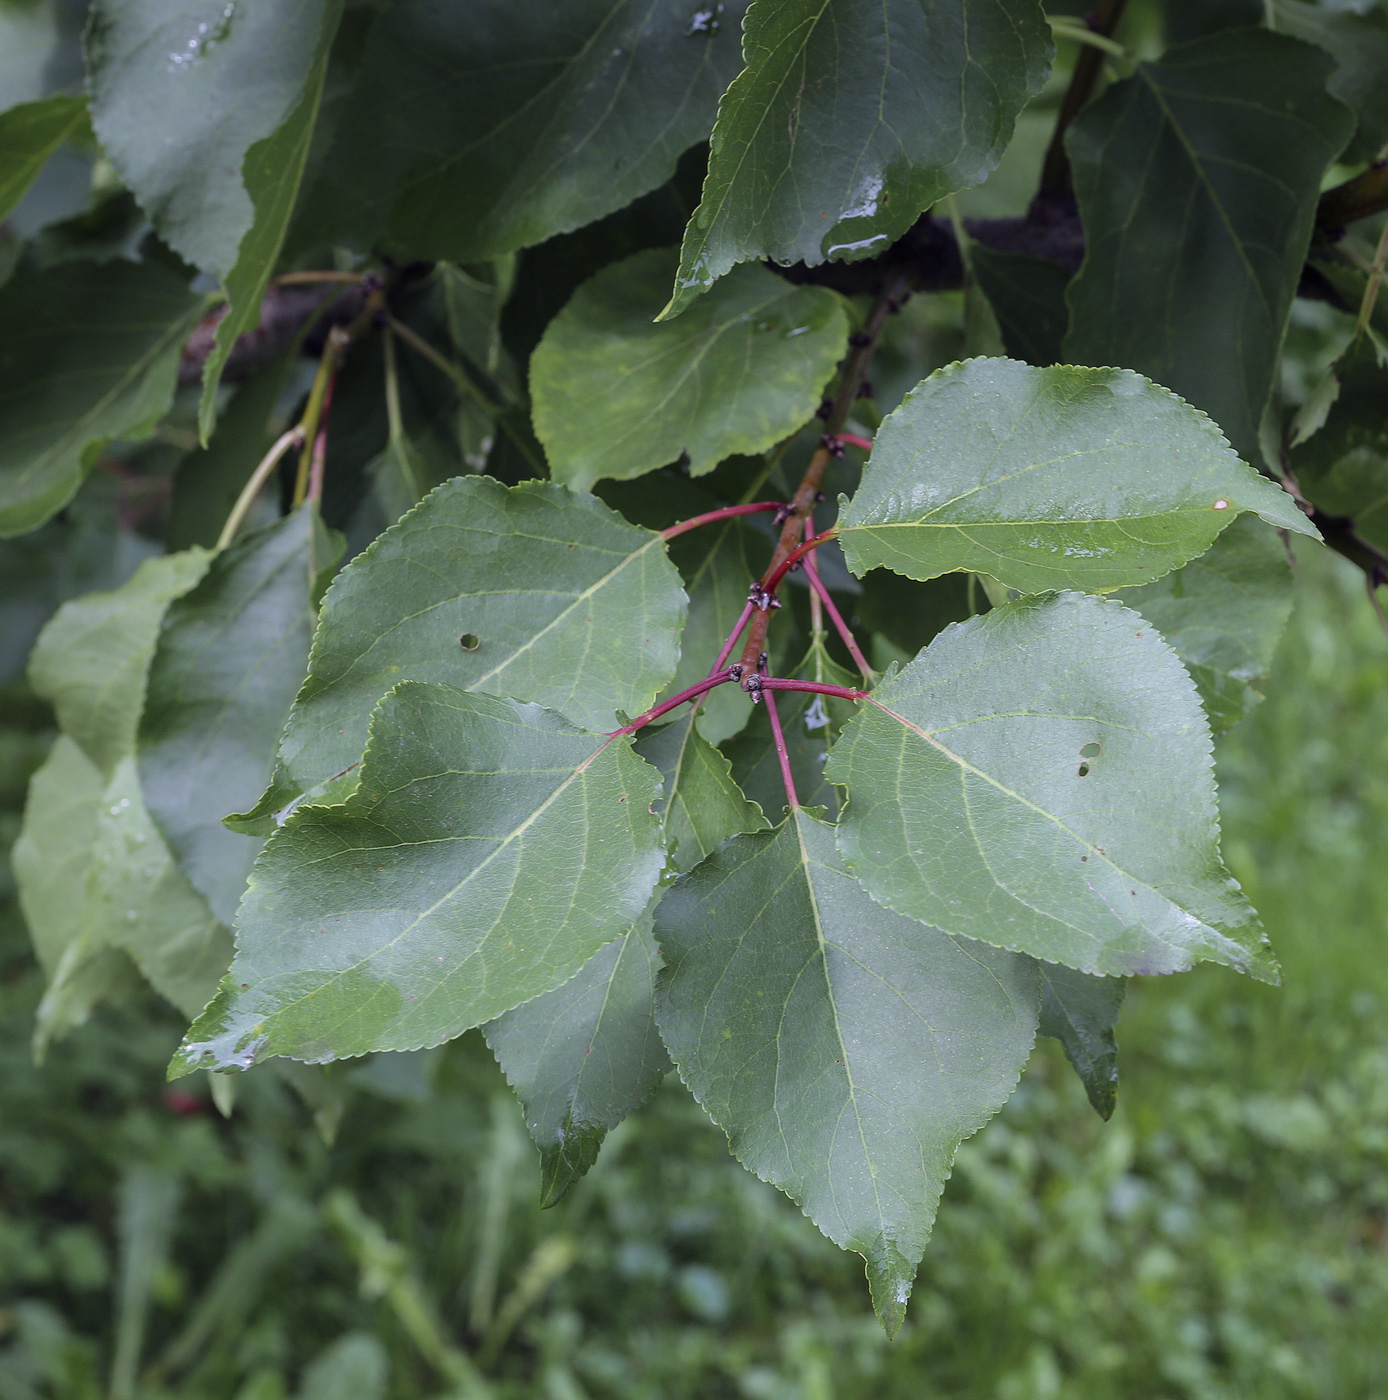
{"x":528,"y":591}
{"x":703,"y":805}
{"x":1040,"y":778}
{"x":1197,"y":180}
{"x":231,"y":655}
{"x":617,"y":395}
{"x":272,"y":171}
{"x":488,"y":852}
{"x":1027,"y":295}
{"x":96,"y":884}
{"x":51,"y":859}
{"x":181,"y":92}
{"x":88,"y":352}
{"x":29,"y":134}
{"x":584,"y":1056}
{"x":139,"y":901}
{"x":1080,"y":1012}
{"x":92,"y":659}
{"x":846,"y":1051}
{"x":1048,"y":478}
{"x":479,"y":129}
{"x":849,"y":120}
{"x":1358,"y":42}
{"x":1223,"y":614}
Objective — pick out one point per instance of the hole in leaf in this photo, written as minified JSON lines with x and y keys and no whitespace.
{"x":469,"y":641}
{"x":1084,"y":770}
{"x":1092,"y":750}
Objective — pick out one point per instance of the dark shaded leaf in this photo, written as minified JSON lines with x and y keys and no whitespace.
{"x":29,"y":134}
{"x":1027,"y":295}
{"x":88,"y":352}
{"x":1197,"y":180}
{"x":1081,"y":1012}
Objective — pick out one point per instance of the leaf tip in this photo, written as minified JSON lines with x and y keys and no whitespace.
{"x":890,"y":1276}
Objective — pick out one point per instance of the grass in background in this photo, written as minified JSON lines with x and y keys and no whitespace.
{"x":1223,"y":1236}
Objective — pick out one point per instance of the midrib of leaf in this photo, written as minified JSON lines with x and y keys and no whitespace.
{"x":1193,"y":157}
{"x":504,"y":844}
{"x":822,"y":943}
{"x":967,"y":768}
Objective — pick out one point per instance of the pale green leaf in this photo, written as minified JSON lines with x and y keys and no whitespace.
{"x":845,"y":1050}
{"x":1197,"y":180}
{"x":88,"y":352}
{"x":231,"y":655}
{"x":529,"y":591}
{"x":29,"y":134}
{"x":850,"y":119}
{"x":272,"y":171}
{"x":478,"y":129}
{"x":92,"y":659}
{"x":489,"y":850}
{"x":617,"y":395}
{"x":1048,"y":478}
{"x":1081,"y":1011}
{"x":1040,"y":778}
{"x":1223,"y":614}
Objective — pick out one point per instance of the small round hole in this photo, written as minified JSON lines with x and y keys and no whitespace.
{"x":1084,"y":770}
{"x":1092,"y":750}
{"x":469,"y":641}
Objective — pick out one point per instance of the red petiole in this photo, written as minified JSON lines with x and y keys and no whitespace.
{"x":674,"y":702}
{"x":794,"y":557}
{"x":713,"y":516}
{"x":817,"y":583}
{"x":782,"y":753}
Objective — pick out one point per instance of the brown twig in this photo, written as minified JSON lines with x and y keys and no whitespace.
{"x":1089,"y":63}
{"x":806,"y":495}
{"x":1357,"y":198}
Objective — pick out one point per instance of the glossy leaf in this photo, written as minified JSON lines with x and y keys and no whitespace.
{"x":231,"y":655}
{"x":1197,"y":180}
{"x":529,"y":591}
{"x":181,"y":92}
{"x":88,"y":352}
{"x":1223,"y":614}
{"x":1048,"y":478}
{"x":849,"y":120}
{"x":1081,"y":1012}
{"x":92,"y":659}
{"x":617,"y":395}
{"x":488,"y":852}
{"x":480,"y":129}
{"x":29,"y":134}
{"x":272,"y":172}
{"x":845,"y":1050}
{"x":1040,"y":778}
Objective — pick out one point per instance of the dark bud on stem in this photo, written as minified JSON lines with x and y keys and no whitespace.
{"x":834,"y":445}
{"x":858,"y":340}
{"x":826,"y":407}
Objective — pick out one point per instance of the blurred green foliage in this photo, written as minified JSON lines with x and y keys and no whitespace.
{"x":1226,"y":1235}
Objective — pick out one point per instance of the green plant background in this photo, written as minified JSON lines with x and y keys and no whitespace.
{"x":1225,"y":1235}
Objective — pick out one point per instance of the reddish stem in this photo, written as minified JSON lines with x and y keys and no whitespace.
{"x":794,"y":557}
{"x":840,"y":692}
{"x":853,"y":440}
{"x":817,"y":583}
{"x":711,"y":516}
{"x":782,"y":753}
{"x":672,"y":703}
{"x":732,"y":639}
